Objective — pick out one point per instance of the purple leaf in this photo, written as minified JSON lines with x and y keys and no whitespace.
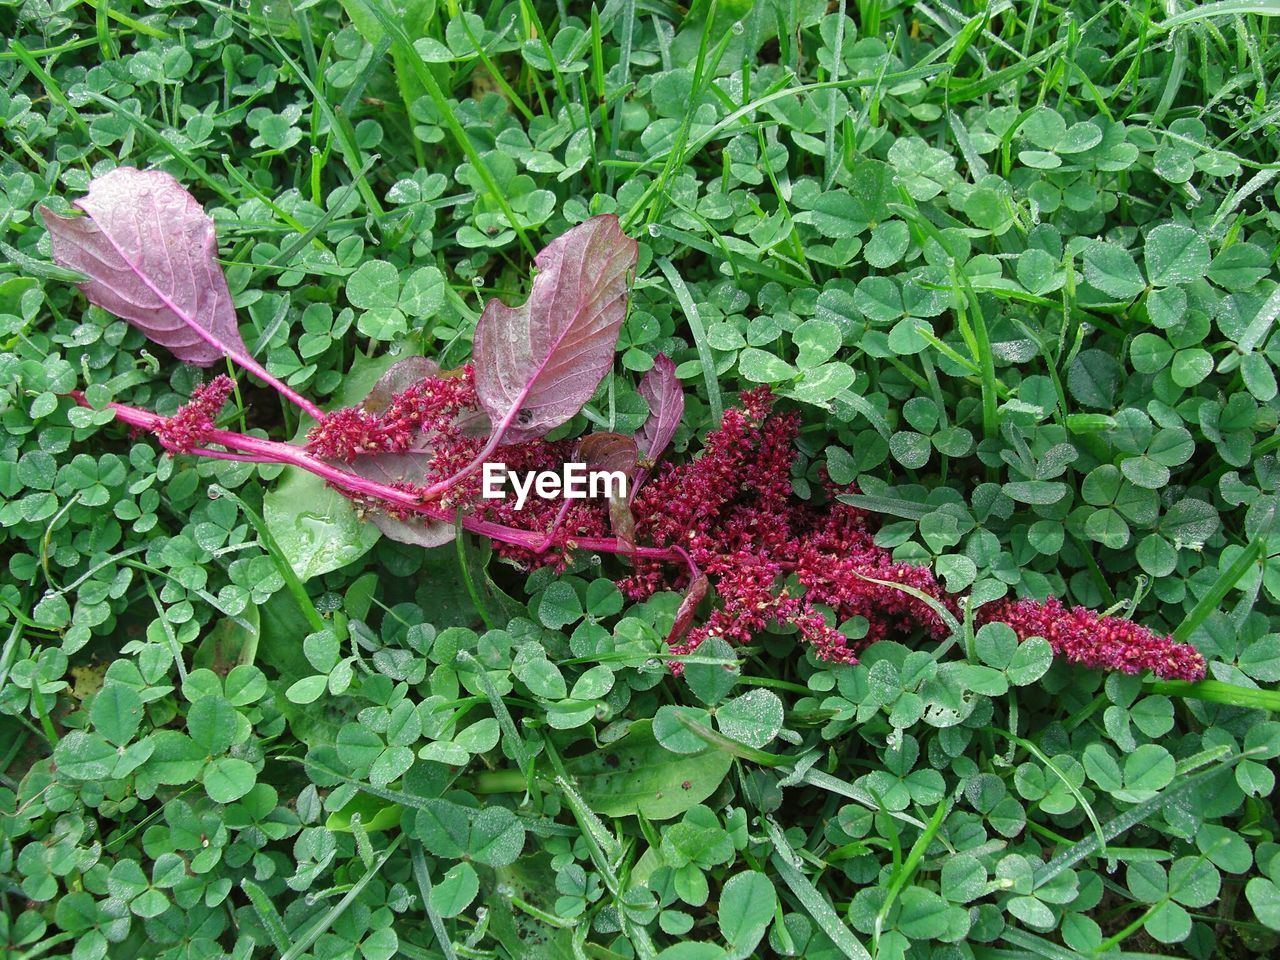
{"x":608,"y":451}
{"x":696,"y":593}
{"x":662,"y":392}
{"x":537,"y":364}
{"x":148,"y":249}
{"x":614,"y":453}
{"x":411,"y":465}
{"x":623,"y":523}
{"x":396,"y":379}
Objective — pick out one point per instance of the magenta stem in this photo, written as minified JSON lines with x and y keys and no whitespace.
{"x":257,"y":450}
{"x":495,"y":438}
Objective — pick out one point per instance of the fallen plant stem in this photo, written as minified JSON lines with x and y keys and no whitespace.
{"x":244,"y":448}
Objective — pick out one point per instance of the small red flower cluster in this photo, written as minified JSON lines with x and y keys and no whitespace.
{"x":438,"y":419}
{"x":430,"y":407}
{"x":564,"y":521}
{"x":1088,"y":638}
{"x":771,"y":556}
{"x":191,"y":425}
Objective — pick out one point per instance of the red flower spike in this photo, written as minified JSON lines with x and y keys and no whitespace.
{"x":433,"y":404}
{"x":191,"y":425}
{"x":1092,"y":640}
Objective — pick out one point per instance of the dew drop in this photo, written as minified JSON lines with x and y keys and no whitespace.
{"x":738,"y":28}
{"x":655,"y":230}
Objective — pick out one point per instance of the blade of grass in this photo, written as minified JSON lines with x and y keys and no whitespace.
{"x":740,"y":750}
{"x":1136,"y":814}
{"x":174,"y":647}
{"x":903,"y":874}
{"x":1218,"y":691}
{"x":943,"y":613}
{"x":675,"y":156}
{"x":104,"y":8}
{"x":1223,"y":8}
{"x":299,"y":593}
{"x":893,"y":506}
{"x":787,"y":863}
{"x":321,"y":926}
{"x":459,"y":538}
{"x":628,"y":15}
{"x":194,"y":169}
{"x":340,"y":127}
{"x":1052,"y":767}
{"x":694,"y":319}
{"x":266,"y":912}
{"x":515,"y":744}
{"x":781,"y":90}
{"x":423,"y":879}
{"x":51,"y":87}
{"x":1251,"y":555}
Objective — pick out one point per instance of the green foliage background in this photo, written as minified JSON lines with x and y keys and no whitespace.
{"x":1014,"y":262}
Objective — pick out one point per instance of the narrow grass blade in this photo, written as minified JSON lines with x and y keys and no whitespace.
{"x":1224,"y":8}
{"x":1217,"y":691}
{"x":321,"y":926}
{"x":699,"y":332}
{"x":786,"y":862}
{"x":401,"y":41}
{"x":423,"y":879}
{"x":1090,"y":846}
{"x":266,"y":912}
{"x":291,"y":581}
{"x":1221,"y":587}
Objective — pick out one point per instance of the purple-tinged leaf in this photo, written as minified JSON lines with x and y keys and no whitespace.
{"x":615,"y":453}
{"x":148,"y":249}
{"x":696,"y":593}
{"x":608,"y":451}
{"x":623,"y":522}
{"x":398,"y":378}
{"x":394,"y":468}
{"x":662,"y":392}
{"x":149,"y":252}
{"x":537,"y":364}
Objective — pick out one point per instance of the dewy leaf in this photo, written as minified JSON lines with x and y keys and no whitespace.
{"x":1112,"y":270}
{"x":637,"y":775}
{"x":149,"y":251}
{"x":662,"y":392}
{"x":537,"y":364}
{"x":1175,"y":254}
